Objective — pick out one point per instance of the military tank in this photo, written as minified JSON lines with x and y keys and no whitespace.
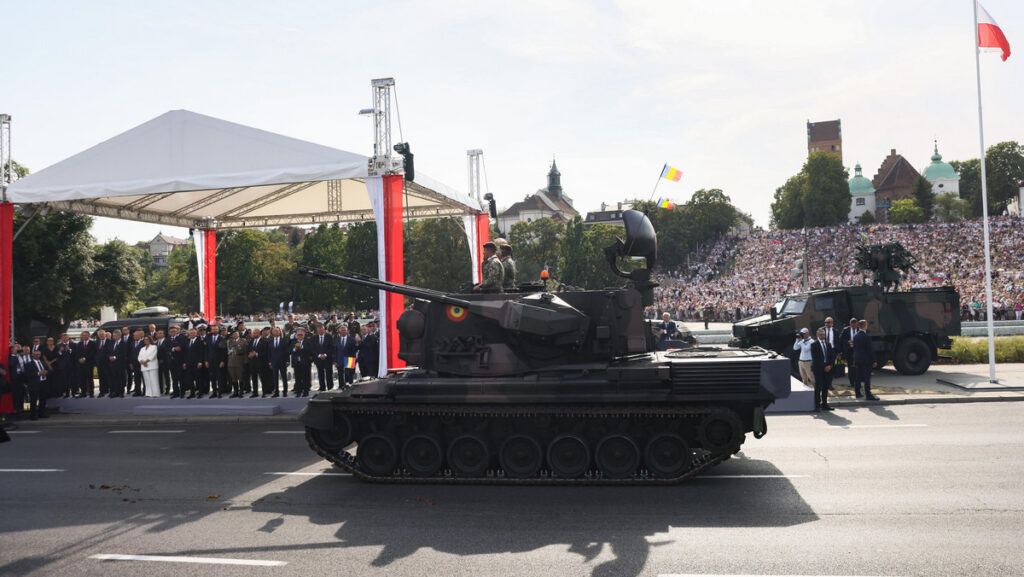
{"x":545,"y":387}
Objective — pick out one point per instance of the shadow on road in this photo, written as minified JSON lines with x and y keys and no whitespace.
{"x":482,"y":520}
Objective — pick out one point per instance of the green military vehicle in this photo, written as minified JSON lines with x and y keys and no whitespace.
{"x":906,"y":327}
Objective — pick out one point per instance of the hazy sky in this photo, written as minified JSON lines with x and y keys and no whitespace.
{"x":721,"y":90}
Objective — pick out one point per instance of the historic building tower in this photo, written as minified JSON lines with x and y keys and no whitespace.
{"x":826,"y":136}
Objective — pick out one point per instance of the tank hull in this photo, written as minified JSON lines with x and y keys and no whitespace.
{"x":655,"y":418}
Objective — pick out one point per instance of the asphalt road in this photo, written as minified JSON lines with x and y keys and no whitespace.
{"x":907,"y":490}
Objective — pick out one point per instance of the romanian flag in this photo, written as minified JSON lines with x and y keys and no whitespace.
{"x":350,"y":362}
{"x":664,"y":203}
{"x":671,"y":173}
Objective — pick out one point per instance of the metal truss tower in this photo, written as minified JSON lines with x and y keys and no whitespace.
{"x":382,"y":161}
{"x":6,"y":166}
{"x":473,"y":163}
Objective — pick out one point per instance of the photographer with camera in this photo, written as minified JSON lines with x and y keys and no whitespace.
{"x":803,"y":344}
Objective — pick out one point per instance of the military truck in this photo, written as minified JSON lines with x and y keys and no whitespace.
{"x":906,"y":327}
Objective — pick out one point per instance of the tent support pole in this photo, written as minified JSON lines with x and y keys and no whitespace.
{"x":394,"y":270}
{"x":483,"y":234}
{"x":210,"y":275}
{"x":6,"y":278}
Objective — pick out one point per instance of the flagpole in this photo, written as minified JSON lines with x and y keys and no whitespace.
{"x":984,"y":209}
{"x":657,"y":183}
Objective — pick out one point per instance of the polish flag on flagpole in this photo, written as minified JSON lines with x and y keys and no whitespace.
{"x":990,"y":35}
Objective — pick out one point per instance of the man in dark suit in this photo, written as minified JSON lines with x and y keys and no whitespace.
{"x":83,"y":358}
{"x":822,"y":362}
{"x":17,"y":363}
{"x":668,"y":328}
{"x":195,"y":359}
{"x":102,"y":361}
{"x":345,"y":348}
{"x":846,"y":350}
{"x":216,"y":360}
{"x":278,"y":357}
{"x":117,"y":356}
{"x":164,"y":370}
{"x":864,"y":358}
{"x":302,"y":362}
{"x":369,"y":351}
{"x":323,"y":353}
{"x":259,"y":354}
{"x":175,"y":346}
{"x":65,"y":366}
{"x":126,"y":340}
{"x":133,"y":359}
{"x":37,"y":386}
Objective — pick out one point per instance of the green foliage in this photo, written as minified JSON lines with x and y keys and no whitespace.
{"x":536,"y":244}
{"x":922,"y":193}
{"x":324,"y":249}
{"x":19,"y":171}
{"x":866,"y":217}
{"x":118,"y":275}
{"x":949,"y":208}
{"x":1004,"y":171}
{"x":575,"y":264}
{"x":819,"y":195}
{"x":437,"y":254}
{"x":55,"y":277}
{"x":180,"y":289}
{"x":967,"y":350}
{"x":970,"y":184}
{"x":905,"y":211}
{"x":361,"y":257}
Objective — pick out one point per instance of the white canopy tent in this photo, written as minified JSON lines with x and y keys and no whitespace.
{"x":182,"y":168}
{"x":190,"y":170}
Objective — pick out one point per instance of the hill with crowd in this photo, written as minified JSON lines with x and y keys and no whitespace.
{"x":742,"y":276}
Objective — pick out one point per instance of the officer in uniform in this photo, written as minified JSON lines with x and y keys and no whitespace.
{"x":493,"y":273}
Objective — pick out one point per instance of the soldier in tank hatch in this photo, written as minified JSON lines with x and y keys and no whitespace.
{"x":493,"y":274}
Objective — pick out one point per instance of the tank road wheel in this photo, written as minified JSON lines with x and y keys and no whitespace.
{"x":377,"y":454}
{"x":521,"y":456}
{"x":720,"y":432}
{"x":469,"y":456}
{"x":617,"y":456}
{"x":568,"y":456}
{"x":422,"y":455}
{"x":667,"y":455}
{"x":913,"y":357}
{"x":334,"y":440}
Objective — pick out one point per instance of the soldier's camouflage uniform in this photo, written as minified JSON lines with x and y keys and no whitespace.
{"x":493,"y":275}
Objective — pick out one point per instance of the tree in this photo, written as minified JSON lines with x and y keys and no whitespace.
{"x":180,"y":290}
{"x":536,"y":244}
{"x":970,"y":183}
{"x":922,"y":193}
{"x":819,"y":195}
{"x":118,"y":275}
{"x":437,"y":254}
{"x":1004,"y":171}
{"x":19,"y":171}
{"x":324,"y":249}
{"x":905,"y":211}
{"x":949,"y":208}
{"x":866,"y":217}
{"x":710,"y":214}
{"x":361,"y":257}
{"x":787,"y":208}
{"x":575,"y":263}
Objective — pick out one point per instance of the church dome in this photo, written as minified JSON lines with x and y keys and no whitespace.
{"x":859,"y":185}
{"x":938,"y":169}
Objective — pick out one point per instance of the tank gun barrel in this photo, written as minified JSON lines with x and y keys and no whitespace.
{"x":363,"y":280}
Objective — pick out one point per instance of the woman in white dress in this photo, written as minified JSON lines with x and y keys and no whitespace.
{"x":150,"y":367}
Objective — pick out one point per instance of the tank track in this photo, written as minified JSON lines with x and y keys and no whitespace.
{"x":701,"y":460}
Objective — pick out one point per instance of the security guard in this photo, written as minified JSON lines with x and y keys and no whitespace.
{"x":508,"y":265}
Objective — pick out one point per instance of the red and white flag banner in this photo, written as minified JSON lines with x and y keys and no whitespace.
{"x":990,"y":35}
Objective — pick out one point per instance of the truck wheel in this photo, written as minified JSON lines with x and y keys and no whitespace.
{"x":913,"y":356}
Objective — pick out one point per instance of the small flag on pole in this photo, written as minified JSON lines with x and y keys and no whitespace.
{"x":664,"y":203}
{"x":672,"y":174}
{"x":350,"y":362}
{"x":990,"y":35}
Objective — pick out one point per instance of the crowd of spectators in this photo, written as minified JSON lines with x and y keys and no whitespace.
{"x":743,"y":276}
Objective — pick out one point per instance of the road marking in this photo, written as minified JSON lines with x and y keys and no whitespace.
{"x":31,"y":470}
{"x":284,"y":432}
{"x":143,"y":431}
{"x":23,"y":432}
{"x":892,"y":426}
{"x":301,"y":474}
{"x":174,"y":559}
{"x":752,"y":476}
{"x":745,"y":575}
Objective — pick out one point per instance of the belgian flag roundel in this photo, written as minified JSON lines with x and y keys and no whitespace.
{"x":456,"y":314}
